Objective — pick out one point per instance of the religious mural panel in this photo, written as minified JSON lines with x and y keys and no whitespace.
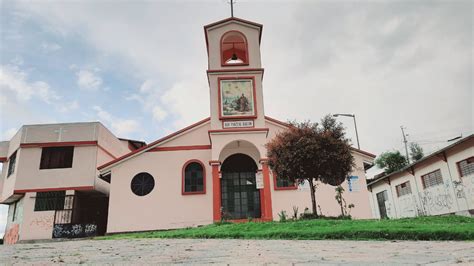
{"x":237,"y":98}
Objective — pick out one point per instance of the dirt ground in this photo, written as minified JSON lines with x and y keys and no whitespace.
{"x":200,"y":251}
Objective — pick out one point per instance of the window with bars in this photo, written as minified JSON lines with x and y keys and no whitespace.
{"x":56,"y":157}
{"x":11,"y":164}
{"x":432,"y":179}
{"x":194,"y":178}
{"x":403,"y":189}
{"x":466,"y":167}
{"x":50,"y":201}
{"x":284,"y":183}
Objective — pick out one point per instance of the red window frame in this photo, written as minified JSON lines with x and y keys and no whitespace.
{"x":183,"y":175}
{"x":276,"y":187}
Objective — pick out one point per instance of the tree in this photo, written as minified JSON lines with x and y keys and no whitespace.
{"x":416,"y":151}
{"x":312,"y":152}
{"x":391,"y":161}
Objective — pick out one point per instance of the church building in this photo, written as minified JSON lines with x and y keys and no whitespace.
{"x":78,"y":179}
{"x":217,"y":168}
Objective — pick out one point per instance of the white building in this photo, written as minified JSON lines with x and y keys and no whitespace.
{"x":441,"y":183}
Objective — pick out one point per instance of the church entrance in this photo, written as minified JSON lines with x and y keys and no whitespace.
{"x":240,"y":198}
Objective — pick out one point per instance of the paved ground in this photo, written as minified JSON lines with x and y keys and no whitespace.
{"x":196,"y":251}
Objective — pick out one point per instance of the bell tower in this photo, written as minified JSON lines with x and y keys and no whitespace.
{"x":235,"y":74}
{"x":238,"y":128}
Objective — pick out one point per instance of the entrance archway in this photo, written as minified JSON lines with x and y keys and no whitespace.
{"x":240,"y":198}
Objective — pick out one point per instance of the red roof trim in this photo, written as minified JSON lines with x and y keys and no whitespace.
{"x":277,"y":121}
{"x":58,"y":144}
{"x":181,"y":148}
{"x":154,"y":143}
{"x":22,"y":191}
{"x":233,"y":18}
{"x":230,"y":19}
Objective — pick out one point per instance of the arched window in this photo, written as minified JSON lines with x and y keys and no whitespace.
{"x":194,"y":178}
{"x":142,"y":184}
{"x":234,"y":49}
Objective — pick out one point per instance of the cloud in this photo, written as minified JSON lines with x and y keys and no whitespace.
{"x":159,"y":114}
{"x":390,"y":63}
{"x":88,"y":80}
{"x":15,"y":80}
{"x":69,"y":106}
{"x":120,"y":126}
{"x":50,"y":47}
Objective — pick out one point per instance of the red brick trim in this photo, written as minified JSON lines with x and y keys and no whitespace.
{"x":183,"y":178}
{"x":181,"y":148}
{"x":58,"y":144}
{"x":144,"y":148}
{"x":3,"y":159}
{"x":22,"y":191}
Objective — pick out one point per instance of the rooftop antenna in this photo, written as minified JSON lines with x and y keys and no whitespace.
{"x":232,"y":2}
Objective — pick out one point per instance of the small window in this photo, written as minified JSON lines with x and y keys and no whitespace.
{"x":466,"y":167}
{"x":50,"y":201}
{"x":194,"y":178}
{"x":283,"y":183}
{"x":11,"y":164}
{"x":234,"y":49}
{"x":403,"y":189}
{"x":56,"y":157}
{"x":142,"y":184}
{"x":432,"y":179}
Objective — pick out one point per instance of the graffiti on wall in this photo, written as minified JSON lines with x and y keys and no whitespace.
{"x":74,"y":230}
{"x":436,"y":202}
{"x":11,"y":234}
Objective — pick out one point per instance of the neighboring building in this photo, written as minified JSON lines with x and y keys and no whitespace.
{"x":50,"y":180}
{"x":218,"y":166}
{"x":441,"y":183}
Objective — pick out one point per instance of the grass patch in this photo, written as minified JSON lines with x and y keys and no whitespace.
{"x":420,"y":228}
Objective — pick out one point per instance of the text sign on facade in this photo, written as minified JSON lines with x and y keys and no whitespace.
{"x":237,"y":124}
{"x":259,"y":179}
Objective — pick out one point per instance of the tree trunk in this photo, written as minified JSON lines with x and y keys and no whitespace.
{"x":313,"y":197}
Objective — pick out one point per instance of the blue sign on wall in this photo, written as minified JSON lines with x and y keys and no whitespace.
{"x":353,"y":182}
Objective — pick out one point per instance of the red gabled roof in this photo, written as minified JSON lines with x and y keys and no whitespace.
{"x":154,"y":143}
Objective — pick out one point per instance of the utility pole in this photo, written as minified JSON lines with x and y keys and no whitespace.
{"x":405,"y":141}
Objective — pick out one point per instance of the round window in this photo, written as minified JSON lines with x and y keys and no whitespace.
{"x":142,"y":184}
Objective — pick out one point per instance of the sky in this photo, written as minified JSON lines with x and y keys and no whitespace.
{"x":139,"y":67}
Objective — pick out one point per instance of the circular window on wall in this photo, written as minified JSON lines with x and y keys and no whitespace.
{"x":142,"y":184}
